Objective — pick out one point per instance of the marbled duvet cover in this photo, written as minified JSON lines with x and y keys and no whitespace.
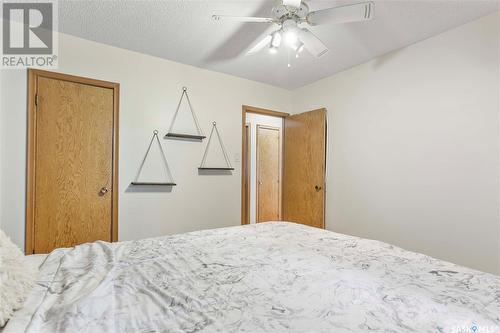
{"x":269,"y":277}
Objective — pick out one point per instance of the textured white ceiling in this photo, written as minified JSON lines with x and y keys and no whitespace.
{"x":183,"y":31}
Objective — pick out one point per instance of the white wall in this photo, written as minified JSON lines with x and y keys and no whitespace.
{"x":414,"y":146}
{"x":257,"y":119}
{"x":150,"y":89}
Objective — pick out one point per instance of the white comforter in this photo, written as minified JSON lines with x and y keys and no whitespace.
{"x":269,"y":277}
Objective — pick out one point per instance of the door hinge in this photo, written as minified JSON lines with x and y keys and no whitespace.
{"x":36,"y":99}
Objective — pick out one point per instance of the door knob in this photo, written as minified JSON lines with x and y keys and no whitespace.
{"x":103,"y":191}
{"x":317,"y":188}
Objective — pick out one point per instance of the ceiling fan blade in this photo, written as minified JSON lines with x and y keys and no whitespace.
{"x":260,"y":45}
{"x":349,"y":13}
{"x":292,"y":3}
{"x":312,"y":43}
{"x":243,"y":19}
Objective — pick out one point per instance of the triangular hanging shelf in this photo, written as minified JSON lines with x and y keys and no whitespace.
{"x":200,"y":136}
{"x":170,"y":181}
{"x":228,"y":166}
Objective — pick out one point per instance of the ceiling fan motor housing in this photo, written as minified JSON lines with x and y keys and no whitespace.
{"x":282,"y":13}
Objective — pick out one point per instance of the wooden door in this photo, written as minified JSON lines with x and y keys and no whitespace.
{"x":268,"y":174}
{"x":74,"y":162}
{"x":304,"y":163}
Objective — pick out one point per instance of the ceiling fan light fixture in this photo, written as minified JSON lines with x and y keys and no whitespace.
{"x":290,"y":38}
{"x":276,"y":39}
{"x":290,"y":34}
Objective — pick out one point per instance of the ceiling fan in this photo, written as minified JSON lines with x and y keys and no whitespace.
{"x":292,"y":15}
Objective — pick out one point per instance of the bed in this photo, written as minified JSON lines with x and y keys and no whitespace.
{"x":268,"y":277}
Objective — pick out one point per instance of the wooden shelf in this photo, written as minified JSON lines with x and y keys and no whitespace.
{"x":185,"y":136}
{"x":153,"y":184}
{"x":224,"y":168}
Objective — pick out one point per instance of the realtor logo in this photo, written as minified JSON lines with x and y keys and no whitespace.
{"x":28,"y":38}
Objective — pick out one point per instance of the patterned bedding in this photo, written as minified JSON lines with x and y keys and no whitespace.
{"x":269,"y":277}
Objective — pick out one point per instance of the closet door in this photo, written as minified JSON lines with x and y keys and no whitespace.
{"x":304,"y":168}
{"x":268,"y":165}
{"x":74,"y":181}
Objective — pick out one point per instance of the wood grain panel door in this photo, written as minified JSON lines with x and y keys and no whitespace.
{"x":268,"y":171}
{"x":304,"y":168}
{"x":74,"y":163}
